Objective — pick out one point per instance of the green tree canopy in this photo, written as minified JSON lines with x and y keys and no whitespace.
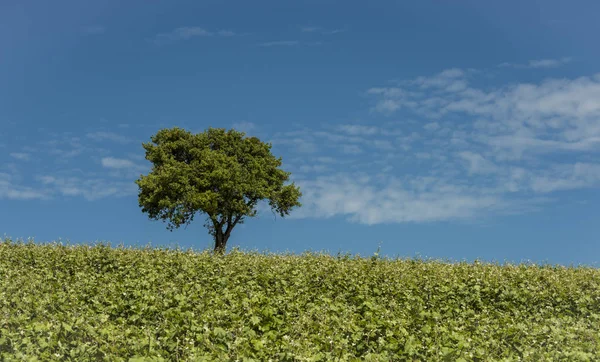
{"x":220,"y":173}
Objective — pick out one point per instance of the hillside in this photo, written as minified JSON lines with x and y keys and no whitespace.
{"x":98,"y":302}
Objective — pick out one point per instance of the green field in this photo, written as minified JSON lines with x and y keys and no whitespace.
{"x":80,"y":303}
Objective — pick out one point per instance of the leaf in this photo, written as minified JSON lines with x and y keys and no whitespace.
{"x":254,"y":320}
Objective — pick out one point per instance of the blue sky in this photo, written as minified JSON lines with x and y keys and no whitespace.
{"x":457,"y":130}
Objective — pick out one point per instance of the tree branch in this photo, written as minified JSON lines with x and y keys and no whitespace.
{"x":231,"y":222}
{"x":237,"y":219}
{"x":251,"y":203}
{"x":218,"y":225}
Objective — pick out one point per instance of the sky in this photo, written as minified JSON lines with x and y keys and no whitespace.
{"x":455,"y":130}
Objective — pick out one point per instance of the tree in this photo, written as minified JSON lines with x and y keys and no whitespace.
{"x":220,"y":173}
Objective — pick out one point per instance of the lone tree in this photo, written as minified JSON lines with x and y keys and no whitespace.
{"x":217,"y":172}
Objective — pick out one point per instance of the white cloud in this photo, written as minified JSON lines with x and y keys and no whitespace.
{"x":298,"y":142}
{"x":123,"y":168}
{"x":334,"y":31}
{"x":471,"y":151}
{"x":388,"y":92}
{"x":423,"y":155}
{"x":244,"y":126}
{"x":548,"y":63}
{"x":108,"y":136}
{"x":91,"y":188}
{"x":118,"y":163}
{"x":539,"y":63}
{"x":337,"y":137}
{"x":279,"y":43}
{"x":360,"y":200}
{"x":65,"y":146}
{"x":69,"y":182}
{"x":358,"y":130}
{"x":459,"y":152}
{"x":432,"y":126}
{"x":450,"y":80}
{"x":320,"y":30}
{"x":188,"y":32}
{"x":351,"y":149}
{"x":384,"y":145}
{"x":226,"y":33}
{"x":310,"y":29}
{"x":388,"y":106}
{"x":392,"y":99}
{"x":556,"y":113}
{"x":313,"y":168}
{"x":10,"y":191}
{"x":477,"y":163}
{"x":20,"y":156}
{"x":288,"y":43}
{"x":566,"y":177}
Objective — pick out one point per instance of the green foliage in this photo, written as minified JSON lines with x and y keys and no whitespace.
{"x":89,"y":303}
{"x":220,"y":173}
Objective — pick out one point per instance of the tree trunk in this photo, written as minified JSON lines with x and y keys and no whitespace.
{"x":221,"y":236}
{"x":220,"y":242}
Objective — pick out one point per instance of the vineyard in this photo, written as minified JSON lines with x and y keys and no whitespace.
{"x":97,"y":302}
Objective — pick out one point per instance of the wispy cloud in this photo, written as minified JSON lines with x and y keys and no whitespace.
{"x":477,"y":164}
{"x":225,"y":33}
{"x":280,"y":43}
{"x":351,"y":149}
{"x":65,"y":146}
{"x":459,"y":151}
{"x":49,"y":187}
{"x":357,"y":129}
{"x":244,"y":126}
{"x":122,"y":168}
{"x":117,"y":163}
{"x":108,"y":136}
{"x":90,"y":189}
{"x":468,"y":152}
{"x":300,"y":144}
{"x":10,"y":191}
{"x":20,"y":156}
{"x":334,"y":31}
{"x":110,"y":177}
{"x":321,"y":30}
{"x":368,"y":200}
{"x":313,"y":168}
{"x":566,"y":177}
{"x":189,"y":32}
{"x":310,"y":29}
{"x":556,"y":114}
{"x":539,"y":63}
{"x":431,"y":126}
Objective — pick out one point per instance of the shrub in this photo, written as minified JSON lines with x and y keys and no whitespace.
{"x":97,"y":302}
